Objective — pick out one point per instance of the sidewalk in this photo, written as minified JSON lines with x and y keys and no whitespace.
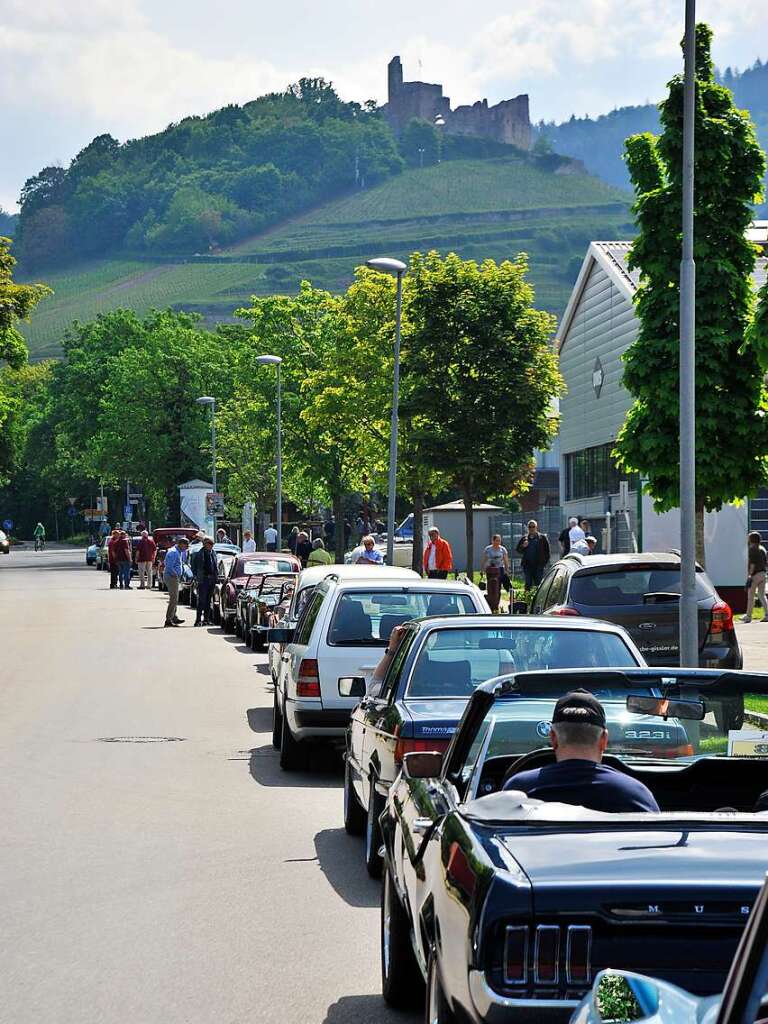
{"x":753,"y":637}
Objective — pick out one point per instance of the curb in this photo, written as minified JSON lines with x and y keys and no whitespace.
{"x":756,"y":718}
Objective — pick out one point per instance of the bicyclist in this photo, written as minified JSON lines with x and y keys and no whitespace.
{"x":39,"y":536}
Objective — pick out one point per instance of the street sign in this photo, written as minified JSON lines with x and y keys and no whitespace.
{"x":7,"y":524}
{"x":133,"y":498}
{"x":128,"y":511}
{"x":214,"y":504}
{"x":71,"y":511}
{"x":93,"y":515}
{"x":101,"y":504}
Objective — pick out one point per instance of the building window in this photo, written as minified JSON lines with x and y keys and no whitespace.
{"x":591,"y":472}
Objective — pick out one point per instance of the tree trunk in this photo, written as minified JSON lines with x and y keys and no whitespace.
{"x":338,"y":513}
{"x":700,"y":553}
{"x":418,"y":532}
{"x":470,"y":528}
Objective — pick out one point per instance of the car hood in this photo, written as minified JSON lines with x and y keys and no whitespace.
{"x":664,"y":858}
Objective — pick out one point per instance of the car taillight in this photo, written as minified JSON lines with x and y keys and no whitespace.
{"x":563,"y":611}
{"x":722,"y":619}
{"x":408,"y":746}
{"x":548,"y":962}
{"x":308,"y":681}
{"x":516,"y":955}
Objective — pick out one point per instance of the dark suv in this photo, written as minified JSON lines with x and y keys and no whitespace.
{"x":641,"y":592}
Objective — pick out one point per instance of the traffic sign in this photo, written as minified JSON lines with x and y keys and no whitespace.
{"x":7,"y":524}
{"x":71,"y":511}
{"x":135,"y":497}
{"x":93,"y":515}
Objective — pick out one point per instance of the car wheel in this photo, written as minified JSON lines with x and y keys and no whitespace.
{"x":354,"y":815}
{"x":216,"y":614}
{"x":292,"y":753}
{"x":257,"y":644}
{"x":227,"y":622}
{"x":401,"y":982}
{"x":238,"y":627}
{"x":192,"y":599}
{"x":277,"y":723}
{"x":437,"y":1009}
{"x":373,"y":839}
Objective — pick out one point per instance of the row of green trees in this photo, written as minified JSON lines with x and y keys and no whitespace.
{"x":478,"y":377}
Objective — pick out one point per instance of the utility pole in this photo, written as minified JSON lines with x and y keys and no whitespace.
{"x":689,"y":629}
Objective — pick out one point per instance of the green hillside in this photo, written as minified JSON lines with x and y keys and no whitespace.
{"x":478,"y":208}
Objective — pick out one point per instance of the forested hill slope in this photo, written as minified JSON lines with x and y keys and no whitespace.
{"x":205,"y":181}
{"x":494,"y":207}
{"x":599,"y":142}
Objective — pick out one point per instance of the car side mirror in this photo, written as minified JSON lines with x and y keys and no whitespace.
{"x":623,"y":996}
{"x":661,"y":707}
{"x":422,"y":764}
{"x":351,"y":686}
{"x":280,"y":635}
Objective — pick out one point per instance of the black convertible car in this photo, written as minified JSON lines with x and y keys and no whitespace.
{"x":508,"y":906}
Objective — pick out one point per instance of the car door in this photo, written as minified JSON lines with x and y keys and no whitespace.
{"x":540,"y":598}
{"x":381,"y":719}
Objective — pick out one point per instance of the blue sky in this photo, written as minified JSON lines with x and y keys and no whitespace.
{"x":69,"y":71}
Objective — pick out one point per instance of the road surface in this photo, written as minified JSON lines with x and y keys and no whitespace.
{"x":157,"y":865}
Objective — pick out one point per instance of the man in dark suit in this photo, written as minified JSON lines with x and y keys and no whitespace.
{"x":204,"y":568}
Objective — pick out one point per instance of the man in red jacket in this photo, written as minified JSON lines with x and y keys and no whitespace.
{"x":112,"y":558}
{"x":145,"y":557}
{"x":122,"y":551}
{"x":438,"y":557}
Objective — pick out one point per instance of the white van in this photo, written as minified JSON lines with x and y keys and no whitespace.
{"x":341,"y":635}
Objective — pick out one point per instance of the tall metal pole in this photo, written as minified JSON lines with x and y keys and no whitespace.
{"x":689,"y":634}
{"x":279,"y":489}
{"x":392,"y":486}
{"x":213,"y":446}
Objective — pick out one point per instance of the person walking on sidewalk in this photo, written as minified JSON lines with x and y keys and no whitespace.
{"x":145,"y":558}
{"x":122,"y":548}
{"x":756,"y":566}
{"x":533,"y":549}
{"x":204,"y":568}
{"x":494,"y":563}
{"x":175,"y":558}
{"x":249,"y":544}
{"x":270,"y":538}
{"x":438,"y":557}
{"x":319,"y":555}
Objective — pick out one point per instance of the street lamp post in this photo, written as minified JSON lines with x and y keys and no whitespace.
{"x":276,"y":361}
{"x":386,"y":265}
{"x":207,"y":400}
{"x":689,"y":632}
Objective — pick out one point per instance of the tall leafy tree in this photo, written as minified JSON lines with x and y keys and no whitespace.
{"x":479,"y":374}
{"x":16,"y":303}
{"x":731,"y":429}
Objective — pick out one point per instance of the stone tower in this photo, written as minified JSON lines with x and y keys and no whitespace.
{"x":394,"y":79}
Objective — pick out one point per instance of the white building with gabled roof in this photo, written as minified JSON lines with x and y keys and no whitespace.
{"x":597,"y":327}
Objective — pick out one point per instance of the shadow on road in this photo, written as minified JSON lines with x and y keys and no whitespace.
{"x":341,"y":860}
{"x":367,"y":1010}
{"x":325,"y":768}
{"x":260,"y":719}
{"x":263,"y":670}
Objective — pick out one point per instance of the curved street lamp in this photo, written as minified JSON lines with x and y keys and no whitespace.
{"x":387,"y":265}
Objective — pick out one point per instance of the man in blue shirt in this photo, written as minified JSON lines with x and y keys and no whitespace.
{"x":579,"y":737}
{"x":175,"y":557}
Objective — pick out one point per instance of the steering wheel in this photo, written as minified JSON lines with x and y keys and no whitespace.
{"x":533,"y":759}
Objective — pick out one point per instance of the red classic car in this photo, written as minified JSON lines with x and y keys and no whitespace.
{"x":251,"y":564}
{"x":165,"y":537}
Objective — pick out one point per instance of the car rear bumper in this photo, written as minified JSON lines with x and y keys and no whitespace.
{"x":492,"y":1008}
{"x":313,"y":721}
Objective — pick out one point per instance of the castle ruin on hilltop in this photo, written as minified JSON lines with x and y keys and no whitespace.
{"x":508,"y":121}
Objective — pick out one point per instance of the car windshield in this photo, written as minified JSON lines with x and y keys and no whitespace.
{"x":369,"y":616}
{"x":255,"y":568}
{"x":453,"y":662}
{"x":628,"y":586}
{"x":519,"y":723}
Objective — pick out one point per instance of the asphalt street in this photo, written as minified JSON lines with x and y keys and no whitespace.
{"x":156,"y":864}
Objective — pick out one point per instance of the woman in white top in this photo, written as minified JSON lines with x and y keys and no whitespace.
{"x":495,"y":560}
{"x":249,"y":544}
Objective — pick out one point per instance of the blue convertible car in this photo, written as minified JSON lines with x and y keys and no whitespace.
{"x":508,"y":906}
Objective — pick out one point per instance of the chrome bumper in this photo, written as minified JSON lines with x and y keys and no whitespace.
{"x":493,"y":1008}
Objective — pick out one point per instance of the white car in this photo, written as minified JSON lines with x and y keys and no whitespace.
{"x":341,"y":635}
{"x":305,"y":586}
